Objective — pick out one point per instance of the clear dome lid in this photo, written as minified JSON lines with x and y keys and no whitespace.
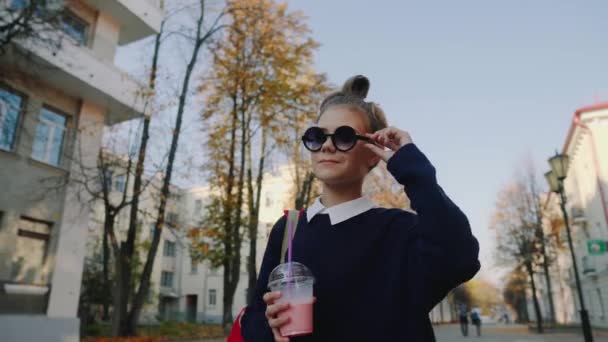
{"x":281,"y":274}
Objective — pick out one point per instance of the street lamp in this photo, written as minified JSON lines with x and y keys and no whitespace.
{"x":559,"y":169}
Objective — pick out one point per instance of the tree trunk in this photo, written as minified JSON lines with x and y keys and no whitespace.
{"x":106,"y":274}
{"x":144,"y":284}
{"x":539,"y":317}
{"x":523,"y":315}
{"x":254,"y":220}
{"x":120,"y":297}
{"x":235,"y":266}
{"x":227,"y":215}
{"x":547,"y":278}
{"x":129,"y":327}
{"x":118,"y":309}
{"x":303,"y":197}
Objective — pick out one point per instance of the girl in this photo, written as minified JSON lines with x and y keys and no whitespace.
{"x":378,"y":272}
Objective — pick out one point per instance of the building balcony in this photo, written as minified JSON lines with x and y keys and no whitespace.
{"x":77,"y":72}
{"x":137,"y":18}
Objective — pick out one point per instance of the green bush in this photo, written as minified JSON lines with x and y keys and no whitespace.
{"x":94,"y":329}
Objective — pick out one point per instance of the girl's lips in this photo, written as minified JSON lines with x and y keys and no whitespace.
{"x":328,"y":162}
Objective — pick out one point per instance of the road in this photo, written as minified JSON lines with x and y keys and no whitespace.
{"x":510,"y":333}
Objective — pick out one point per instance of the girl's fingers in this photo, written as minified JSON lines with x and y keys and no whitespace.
{"x":278,"y":337}
{"x":383,"y":140}
{"x":271,"y":297}
{"x":275,"y":309}
{"x":393,"y":138}
{"x":278,"y":322}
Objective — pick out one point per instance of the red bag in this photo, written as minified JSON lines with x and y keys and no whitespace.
{"x":235,"y":333}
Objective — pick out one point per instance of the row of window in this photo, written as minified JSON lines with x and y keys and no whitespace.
{"x":50,"y":130}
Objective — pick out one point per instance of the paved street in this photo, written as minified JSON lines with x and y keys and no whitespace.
{"x":511,"y":333}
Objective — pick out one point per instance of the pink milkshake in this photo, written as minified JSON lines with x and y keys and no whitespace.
{"x":295,"y":282}
{"x":300,"y":319}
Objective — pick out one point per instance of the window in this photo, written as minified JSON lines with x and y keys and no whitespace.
{"x":10,"y":107}
{"x":212,"y":297}
{"x":268,"y":201}
{"x":198,"y":206}
{"x":107,"y":179}
{"x":48,"y":141}
{"x":169,"y":249}
{"x":166,"y":279}
{"x":74,"y":27}
{"x":31,"y":251}
{"x":152,"y":229}
{"x":119,"y":183}
{"x":193,"y":265}
{"x":172,"y":218}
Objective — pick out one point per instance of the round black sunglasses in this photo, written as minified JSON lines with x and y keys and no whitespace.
{"x":344,"y":138}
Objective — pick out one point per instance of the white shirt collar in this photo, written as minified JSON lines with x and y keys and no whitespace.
{"x":341,"y":212}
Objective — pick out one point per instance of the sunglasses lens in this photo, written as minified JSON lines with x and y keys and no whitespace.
{"x":345,"y":138}
{"x":314,"y":138}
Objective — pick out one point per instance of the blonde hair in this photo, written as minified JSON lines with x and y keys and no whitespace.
{"x":353,"y":94}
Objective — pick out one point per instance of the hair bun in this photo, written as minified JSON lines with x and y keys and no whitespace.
{"x":356,"y":86}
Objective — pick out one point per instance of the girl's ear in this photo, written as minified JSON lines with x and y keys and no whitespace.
{"x":374,"y":162}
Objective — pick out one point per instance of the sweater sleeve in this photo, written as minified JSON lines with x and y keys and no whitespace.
{"x":441,"y":251}
{"x":254,"y":326}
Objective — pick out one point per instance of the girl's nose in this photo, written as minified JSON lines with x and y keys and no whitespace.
{"x":328,"y":146}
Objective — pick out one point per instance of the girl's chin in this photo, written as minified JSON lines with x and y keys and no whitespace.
{"x":331,"y":177}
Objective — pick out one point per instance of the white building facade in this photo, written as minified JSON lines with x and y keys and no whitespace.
{"x":53,"y":107}
{"x":586,"y":188}
{"x":201,"y":286}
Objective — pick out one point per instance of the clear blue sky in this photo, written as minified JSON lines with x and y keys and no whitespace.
{"x":481,"y":85}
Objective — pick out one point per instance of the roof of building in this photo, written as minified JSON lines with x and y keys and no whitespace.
{"x":578,"y":113}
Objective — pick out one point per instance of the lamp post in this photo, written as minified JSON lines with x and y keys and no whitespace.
{"x":555,"y":178}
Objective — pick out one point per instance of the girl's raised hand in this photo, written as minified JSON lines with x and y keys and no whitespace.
{"x":390,"y":137}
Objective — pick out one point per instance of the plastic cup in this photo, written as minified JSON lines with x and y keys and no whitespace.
{"x":296,"y":287}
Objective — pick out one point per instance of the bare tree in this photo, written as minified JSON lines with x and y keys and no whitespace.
{"x":36,"y":21}
{"x":515,"y":222}
{"x":514,"y":294}
{"x":530,"y":180}
{"x":202,"y":36}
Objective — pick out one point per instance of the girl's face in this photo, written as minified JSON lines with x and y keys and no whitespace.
{"x":334,"y":167}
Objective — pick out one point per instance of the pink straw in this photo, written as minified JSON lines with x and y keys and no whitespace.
{"x":289,"y":251}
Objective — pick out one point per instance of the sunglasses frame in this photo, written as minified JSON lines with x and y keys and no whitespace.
{"x":333,"y":139}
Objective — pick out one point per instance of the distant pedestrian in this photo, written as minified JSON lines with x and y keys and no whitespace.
{"x":476,"y":319}
{"x":464,"y":320}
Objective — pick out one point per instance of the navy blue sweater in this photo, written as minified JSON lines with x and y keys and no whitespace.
{"x":378,"y":274}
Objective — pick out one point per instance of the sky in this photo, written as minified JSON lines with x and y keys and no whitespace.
{"x":480,"y":85}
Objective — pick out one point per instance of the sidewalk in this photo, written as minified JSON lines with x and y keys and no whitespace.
{"x":511,"y":333}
